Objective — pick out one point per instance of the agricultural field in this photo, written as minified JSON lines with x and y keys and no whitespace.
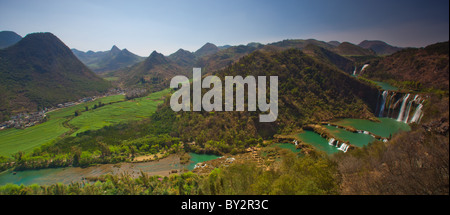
{"x":13,"y":140}
{"x":63,"y":121}
{"x":134,"y":109}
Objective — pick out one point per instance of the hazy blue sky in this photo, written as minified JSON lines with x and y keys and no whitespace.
{"x":166,"y":26}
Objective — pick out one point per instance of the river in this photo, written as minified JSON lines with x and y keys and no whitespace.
{"x":76,"y":174}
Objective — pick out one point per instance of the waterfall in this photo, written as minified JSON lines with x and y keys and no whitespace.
{"x":354,"y":71}
{"x":406,"y":117}
{"x":362,"y":69}
{"x":343,"y":147}
{"x":331,"y":141}
{"x":417,"y":114}
{"x":389,"y":103}
{"x":385,"y":93}
{"x":402,"y":109}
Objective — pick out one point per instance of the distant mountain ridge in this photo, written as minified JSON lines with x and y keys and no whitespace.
{"x":334,"y":43}
{"x":212,"y":58}
{"x":154,"y":73}
{"x":41,"y":71}
{"x":379,"y":47}
{"x":206,"y":49}
{"x":183,"y":57}
{"x":223,"y":58}
{"x":329,"y":57}
{"x":103,"y":61}
{"x":349,"y":49}
{"x":301,"y":44}
{"x":8,"y":38}
{"x":344,"y":56}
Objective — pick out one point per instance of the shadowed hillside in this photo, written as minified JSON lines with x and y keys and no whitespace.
{"x":424,"y":67}
{"x":348,"y":49}
{"x":8,"y":38}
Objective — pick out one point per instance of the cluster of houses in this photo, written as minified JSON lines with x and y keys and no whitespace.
{"x":115,"y":91}
{"x":67,"y":104}
{"x":91,"y":98}
{"x":24,"y":120}
{"x":135,"y":93}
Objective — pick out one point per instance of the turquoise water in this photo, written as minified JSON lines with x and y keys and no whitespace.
{"x":385,"y":128}
{"x":43,"y":176}
{"x":199,"y":158}
{"x":76,"y":174}
{"x":356,"y":139}
{"x":386,"y":86}
{"x":317,"y":141}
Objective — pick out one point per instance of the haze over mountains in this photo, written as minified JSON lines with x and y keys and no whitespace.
{"x":111,"y":60}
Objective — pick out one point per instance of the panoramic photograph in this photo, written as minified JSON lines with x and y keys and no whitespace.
{"x":224,"y":98}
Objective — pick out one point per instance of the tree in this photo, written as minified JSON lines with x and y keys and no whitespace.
{"x":76,"y":155}
{"x":104,"y":149}
{"x":19,"y":155}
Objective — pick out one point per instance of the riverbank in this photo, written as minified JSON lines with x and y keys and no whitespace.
{"x":67,"y":175}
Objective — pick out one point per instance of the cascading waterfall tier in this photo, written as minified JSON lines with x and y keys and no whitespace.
{"x":383,"y":103}
{"x":331,"y":141}
{"x":344,"y":147}
{"x":406,"y":117}
{"x":362,"y":69}
{"x":402,"y":108}
{"x":410,"y":111}
{"x":417,"y":114}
